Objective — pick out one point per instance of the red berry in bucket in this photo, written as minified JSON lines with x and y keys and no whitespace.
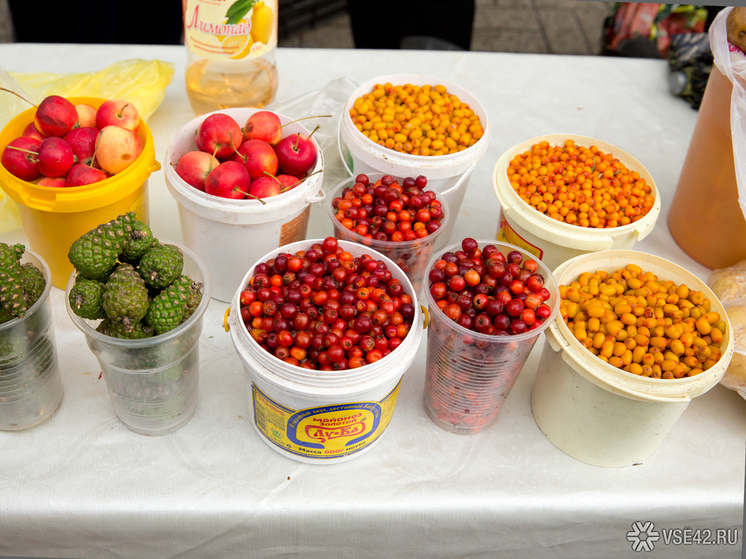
{"x":326,"y":309}
{"x":508,"y":292}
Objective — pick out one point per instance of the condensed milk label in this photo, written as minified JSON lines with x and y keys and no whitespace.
{"x":325,"y":432}
{"x":507,"y":234}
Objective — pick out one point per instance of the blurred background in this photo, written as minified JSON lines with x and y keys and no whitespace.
{"x":531,"y":26}
{"x":677,"y":32}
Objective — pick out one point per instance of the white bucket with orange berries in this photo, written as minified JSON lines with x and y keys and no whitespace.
{"x":319,"y":416}
{"x":598,"y":413}
{"x":555,"y":241}
{"x":447,"y":174}
{"x":229,"y":234}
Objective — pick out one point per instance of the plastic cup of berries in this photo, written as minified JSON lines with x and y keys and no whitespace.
{"x":153,"y":382}
{"x":398,"y":217}
{"x":489,"y":302}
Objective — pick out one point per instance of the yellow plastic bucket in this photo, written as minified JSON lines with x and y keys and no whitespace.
{"x":53,"y":218}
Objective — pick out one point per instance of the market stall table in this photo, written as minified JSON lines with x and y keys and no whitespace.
{"x":82,"y":485}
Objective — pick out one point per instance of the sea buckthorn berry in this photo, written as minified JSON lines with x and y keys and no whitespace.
{"x":582,"y":186}
{"x":648,"y":321}
{"x":410,"y":115}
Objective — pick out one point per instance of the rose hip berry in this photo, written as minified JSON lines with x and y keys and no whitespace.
{"x":489,"y":292}
{"x":344,"y":313}
{"x":387,"y":210}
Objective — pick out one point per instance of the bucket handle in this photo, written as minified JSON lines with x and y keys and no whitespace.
{"x":155,"y":167}
{"x":320,"y":196}
{"x":426,"y":317}
{"x":226,"y":325}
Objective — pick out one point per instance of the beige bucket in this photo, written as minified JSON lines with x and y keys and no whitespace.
{"x":553,"y":241}
{"x":602,"y":415}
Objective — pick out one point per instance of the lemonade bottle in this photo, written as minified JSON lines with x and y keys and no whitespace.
{"x":231,"y":53}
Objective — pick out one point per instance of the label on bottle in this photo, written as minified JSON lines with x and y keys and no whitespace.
{"x":325,"y":432}
{"x":230,"y":29}
{"x":507,"y":234}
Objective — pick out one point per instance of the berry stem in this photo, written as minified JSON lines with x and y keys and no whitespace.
{"x":251,"y":196}
{"x":299,"y":180}
{"x":23,"y":150}
{"x":314,"y":130}
{"x":304,"y":118}
{"x":19,"y":96}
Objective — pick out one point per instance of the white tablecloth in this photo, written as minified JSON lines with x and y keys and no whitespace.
{"x":82,"y":485}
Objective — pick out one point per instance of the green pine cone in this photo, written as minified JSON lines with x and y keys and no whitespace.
{"x":12,"y":297}
{"x":95,"y":254}
{"x":87,"y":298}
{"x":137,"y":242}
{"x":125,"y":296}
{"x":10,"y":255}
{"x":167,"y":309}
{"x":119,"y":228}
{"x":194,"y":298}
{"x":161,"y":266}
{"x":33,"y":283}
{"x":116,"y":329}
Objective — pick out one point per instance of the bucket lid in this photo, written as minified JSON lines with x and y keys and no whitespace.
{"x":557,"y":232}
{"x":616,"y":380}
{"x":78,"y":198}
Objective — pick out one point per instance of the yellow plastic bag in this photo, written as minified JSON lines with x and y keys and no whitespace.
{"x":141,"y":82}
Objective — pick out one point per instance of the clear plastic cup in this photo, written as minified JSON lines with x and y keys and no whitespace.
{"x":153,"y":383}
{"x":469,"y":374}
{"x":30,"y":383}
{"x":410,"y":256}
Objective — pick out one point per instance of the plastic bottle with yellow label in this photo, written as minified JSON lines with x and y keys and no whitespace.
{"x":231,"y":46}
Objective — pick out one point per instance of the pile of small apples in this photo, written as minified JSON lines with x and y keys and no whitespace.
{"x":255,"y":161}
{"x":73,"y":145}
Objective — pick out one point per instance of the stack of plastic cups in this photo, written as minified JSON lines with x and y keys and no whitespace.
{"x":411,"y":256}
{"x":153,"y":383}
{"x":470,"y":374}
{"x":30,"y":384}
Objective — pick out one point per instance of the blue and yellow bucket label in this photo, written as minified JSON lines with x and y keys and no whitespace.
{"x":325,"y":432}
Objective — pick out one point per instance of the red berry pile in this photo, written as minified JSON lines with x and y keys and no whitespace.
{"x":326,"y":309}
{"x":387,"y":210}
{"x":486,"y":291}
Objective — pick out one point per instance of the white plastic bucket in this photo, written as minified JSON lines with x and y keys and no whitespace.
{"x":602,"y":415}
{"x":448,"y":174}
{"x":229,"y":235}
{"x":553,"y":241}
{"x":319,"y":417}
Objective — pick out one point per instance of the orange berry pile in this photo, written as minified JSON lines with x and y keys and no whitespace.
{"x":642,"y":324}
{"x":419,"y":120}
{"x":579,"y":185}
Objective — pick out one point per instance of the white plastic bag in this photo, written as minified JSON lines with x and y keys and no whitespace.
{"x":732,"y":64}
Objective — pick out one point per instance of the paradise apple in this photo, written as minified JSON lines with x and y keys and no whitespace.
{"x":117,"y":148}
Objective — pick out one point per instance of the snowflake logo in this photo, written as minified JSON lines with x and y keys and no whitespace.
{"x":643,"y":536}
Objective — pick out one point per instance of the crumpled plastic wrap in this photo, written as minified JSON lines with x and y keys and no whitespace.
{"x":729,"y":284}
{"x":329,"y":100}
{"x":142,"y":82}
